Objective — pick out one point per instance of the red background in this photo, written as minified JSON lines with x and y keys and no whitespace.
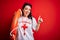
{"x":47,"y":9}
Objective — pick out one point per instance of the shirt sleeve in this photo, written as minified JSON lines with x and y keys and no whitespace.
{"x":34,"y":23}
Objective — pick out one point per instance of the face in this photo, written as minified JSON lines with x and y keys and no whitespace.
{"x":27,"y":10}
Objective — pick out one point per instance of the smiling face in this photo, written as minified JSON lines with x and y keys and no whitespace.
{"x":26,"y":10}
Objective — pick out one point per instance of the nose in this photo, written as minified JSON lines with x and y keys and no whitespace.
{"x":28,"y":11}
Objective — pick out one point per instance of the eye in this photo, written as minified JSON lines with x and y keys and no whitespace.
{"x":26,"y":8}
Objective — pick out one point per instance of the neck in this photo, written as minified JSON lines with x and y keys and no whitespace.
{"x":26,"y":16}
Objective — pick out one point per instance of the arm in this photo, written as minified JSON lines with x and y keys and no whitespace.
{"x":38,"y":24}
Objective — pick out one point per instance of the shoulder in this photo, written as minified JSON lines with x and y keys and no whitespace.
{"x":20,"y":18}
{"x":33,"y":18}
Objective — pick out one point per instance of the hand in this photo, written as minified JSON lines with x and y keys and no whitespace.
{"x":40,"y":19}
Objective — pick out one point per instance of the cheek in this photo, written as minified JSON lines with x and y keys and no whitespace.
{"x":28,"y":13}
{"x":24,"y":11}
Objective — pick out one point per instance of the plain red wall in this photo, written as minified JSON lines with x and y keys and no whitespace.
{"x":47,"y":9}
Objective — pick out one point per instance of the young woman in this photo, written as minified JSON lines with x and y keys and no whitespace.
{"x":26,"y":23}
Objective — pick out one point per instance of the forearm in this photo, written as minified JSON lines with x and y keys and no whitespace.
{"x":37,"y":26}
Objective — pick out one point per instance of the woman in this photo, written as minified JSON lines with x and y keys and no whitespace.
{"x":26,"y":23}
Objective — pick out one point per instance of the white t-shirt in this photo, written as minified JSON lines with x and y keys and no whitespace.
{"x":25,"y":26}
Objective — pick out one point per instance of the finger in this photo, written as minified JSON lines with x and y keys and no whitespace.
{"x":39,"y":16}
{"x":41,"y":20}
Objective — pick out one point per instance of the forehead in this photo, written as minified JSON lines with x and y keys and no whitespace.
{"x":27,"y":6}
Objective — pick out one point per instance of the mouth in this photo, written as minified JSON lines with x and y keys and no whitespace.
{"x":26,"y":12}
